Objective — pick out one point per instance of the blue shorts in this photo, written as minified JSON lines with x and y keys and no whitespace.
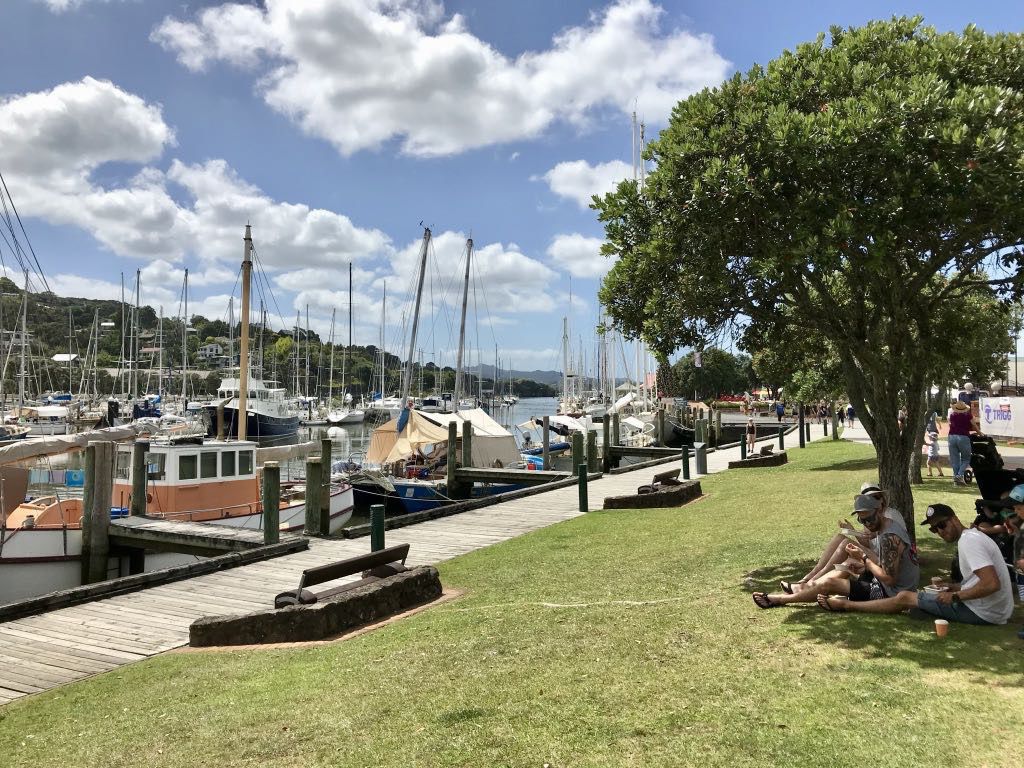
{"x":929,"y":603}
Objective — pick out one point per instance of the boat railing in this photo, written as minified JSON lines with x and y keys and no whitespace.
{"x":218,"y":513}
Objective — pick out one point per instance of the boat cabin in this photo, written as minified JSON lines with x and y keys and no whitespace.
{"x":192,"y":478}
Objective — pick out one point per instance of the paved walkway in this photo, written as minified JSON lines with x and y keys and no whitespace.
{"x":47,"y":650}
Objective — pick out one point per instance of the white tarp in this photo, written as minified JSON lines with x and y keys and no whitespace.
{"x":1002,"y":416}
{"x":284,"y":452}
{"x":31,"y":448}
{"x":428,"y":432}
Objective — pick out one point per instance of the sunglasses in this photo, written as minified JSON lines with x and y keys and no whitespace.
{"x":938,"y":526}
{"x":869,"y":520}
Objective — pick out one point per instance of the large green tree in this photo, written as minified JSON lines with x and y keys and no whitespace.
{"x":859,"y":188}
{"x":721,"y":373}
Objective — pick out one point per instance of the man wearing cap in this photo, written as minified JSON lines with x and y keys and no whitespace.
{"x":889,"y":563}
{"x":835,"y":551}
{"x":984,"y":597}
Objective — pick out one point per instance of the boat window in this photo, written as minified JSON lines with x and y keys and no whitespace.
{"x":245,"y":462}
{"x":188,"y":466}
{"x":156,"y":465}
{"x":208,"y":464}
{"x":227,"y":464}
{"x":124,"y":464}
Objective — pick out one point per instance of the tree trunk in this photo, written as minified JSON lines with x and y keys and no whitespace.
{"x":894,"y":455}
{"x":918,"y":432}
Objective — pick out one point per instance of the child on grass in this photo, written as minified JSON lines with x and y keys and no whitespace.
{"x":931,"y":439}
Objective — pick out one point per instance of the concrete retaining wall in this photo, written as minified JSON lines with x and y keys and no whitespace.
{"x":771,"y":460}
{"x":362,"y":605}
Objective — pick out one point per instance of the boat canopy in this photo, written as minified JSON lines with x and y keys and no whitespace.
{"x":622,"y":402}
{"x":491,"y":441}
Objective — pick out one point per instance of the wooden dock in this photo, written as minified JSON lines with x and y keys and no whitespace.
{"x":47,"y":650}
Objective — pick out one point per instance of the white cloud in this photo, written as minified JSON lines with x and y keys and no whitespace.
{"x":53,"y":142}
{"x":59,"y":6}
{"x":580,"y":256}
{"x":579,"y":180}
{"x":359,"y":73}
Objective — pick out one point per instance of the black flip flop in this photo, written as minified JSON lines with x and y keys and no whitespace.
{"x":787,"y":586}
{"x":824,"y":604}
{"x":761,"y":600}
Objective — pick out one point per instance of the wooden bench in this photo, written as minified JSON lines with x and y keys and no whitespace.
{"x":373,"y":567}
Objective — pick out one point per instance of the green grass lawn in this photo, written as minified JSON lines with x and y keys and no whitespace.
{"x":617,"y":639}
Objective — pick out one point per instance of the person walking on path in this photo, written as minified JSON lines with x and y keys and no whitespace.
{"x":850,"y":413}
{"x":931,"y":439}
{"x":780,"y":410}
{"x":959,"y":440}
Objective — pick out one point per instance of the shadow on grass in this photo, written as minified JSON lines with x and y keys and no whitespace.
{"x":850,"y":465}
{"x":908,"y":636}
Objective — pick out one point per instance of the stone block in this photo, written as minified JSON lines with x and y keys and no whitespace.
{"x":762,"y":460}
{"x":657,"y":497}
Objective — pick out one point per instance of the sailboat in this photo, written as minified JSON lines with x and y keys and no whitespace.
{"x":265,"y":409}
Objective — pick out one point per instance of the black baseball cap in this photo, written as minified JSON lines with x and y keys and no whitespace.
{"x":936,"y":513}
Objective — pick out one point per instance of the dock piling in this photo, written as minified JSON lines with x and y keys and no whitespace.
{"x":545,"y":443}
{"x":606,"y":459}
{"x":452,"y":460}
{"x":138,"y":498}
{"x":326,"y":449}
{"x":592,"y":450}
{"x":581,"y":470}
{"x":467,"y":444}
{"x":314,"y":482}
{"x":99,"y":473}
{"x":577,"y":451}
{"x":271,"y":502}
{"x":661,"y":425}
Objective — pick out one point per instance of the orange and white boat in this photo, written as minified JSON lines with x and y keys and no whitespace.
{"x":189,"y":479}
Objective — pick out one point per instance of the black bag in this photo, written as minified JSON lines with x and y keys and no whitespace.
{"x":984,"y":456}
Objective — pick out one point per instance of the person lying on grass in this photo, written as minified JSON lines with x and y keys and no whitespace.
{"x":835,"y":551}
{"x":885,"y":567}
{"x":984,"y":597}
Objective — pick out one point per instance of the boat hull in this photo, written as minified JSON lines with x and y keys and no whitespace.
{"x":257,"y":425}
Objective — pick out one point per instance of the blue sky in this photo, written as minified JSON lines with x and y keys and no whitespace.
{"x":143,"y":134}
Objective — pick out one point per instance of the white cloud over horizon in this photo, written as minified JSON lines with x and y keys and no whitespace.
{"x":579,"y":181}
{"x":359,"y":73}
{"x":580,"y":255}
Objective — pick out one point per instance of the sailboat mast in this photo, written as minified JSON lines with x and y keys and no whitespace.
{"x":344,"y":357}
{"x":24,"y":342}
{"x":462,"y":328}
{"x":565,"y":363}
{"x":330,"y":378}
{"x":135,"y":335}
{"x":160,"y":354}
{"x":71,"y":332}
{"x":184,"y":348}
{"x":243,"y":352}
{"x":407,"y":377}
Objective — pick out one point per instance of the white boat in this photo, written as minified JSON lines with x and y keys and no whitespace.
{"x":345,"y":416}
{"x":188,"y":479}
{"x":43,"y":419}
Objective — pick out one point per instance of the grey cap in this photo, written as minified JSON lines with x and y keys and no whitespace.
{"x":865,"y":503}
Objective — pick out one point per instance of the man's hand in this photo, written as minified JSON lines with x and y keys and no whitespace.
{"x":944,"y":598}
{"x":855,"y":551}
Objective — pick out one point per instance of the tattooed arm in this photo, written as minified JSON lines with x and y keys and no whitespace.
{"x":891,"y":549}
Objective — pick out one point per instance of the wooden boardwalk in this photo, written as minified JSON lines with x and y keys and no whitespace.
{"x":47,"y":650}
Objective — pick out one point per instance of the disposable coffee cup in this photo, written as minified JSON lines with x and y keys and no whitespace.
{"x":941,"y":627}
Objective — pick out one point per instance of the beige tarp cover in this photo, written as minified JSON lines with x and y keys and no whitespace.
{"x":31,"y":448}
{"x":491,"y":441}
{"x":285,"y":452}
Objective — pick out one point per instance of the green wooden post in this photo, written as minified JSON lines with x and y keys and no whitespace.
{"x":616,"y":427}
{"x":545,"y":443}
{"x":376,"y":527}
{"x":807,"y":429}
{"x":718,"y":427}
{"x":138,"y":499}
{"x":661,"y":426}
{"x":314,"y":482}
{"x":782,"y":438}
{"x":453,"y":464}
{"x":592,"y":450}
{"x":824,"y":425}
{"x":577,"y":451}
{"x":606,"y":429}
{"x":326,"y":449}
{"x":467,"y":443}
{"x":581,"y":470}
{"x":800,"y":424}
{"x":743,"y":445}
{"x":271,"y":502}
{"x":686,"y":462}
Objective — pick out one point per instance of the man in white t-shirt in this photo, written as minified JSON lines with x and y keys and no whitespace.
{"x":984,"y":597}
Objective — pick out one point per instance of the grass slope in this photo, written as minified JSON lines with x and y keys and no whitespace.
{"x":617,"y":639}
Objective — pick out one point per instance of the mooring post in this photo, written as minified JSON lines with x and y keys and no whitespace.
{"x":138,"y":500}
{"x":376,"y":527}
{"x":314,"y":482}
{"x":577,"y":451}
{"x":782,"y":438}
{"x":545,"y":443}
{"x":271,"y":502}
{"x":807,"y":430}
{"x":592,"y":450}
{"x":743,"y":445}
{"x":661,"y":425}
{"x":96,"y":538}
{"x":326,"y":448}
{"x":616,"y":434}
{"x":686,"y":462}
{"x":581,"y":470}
{"x":452,"y":461}
{"x":87,"y":494}
{"x":220,"y":421}
{"x":606,"y":429}
{"x":718,"y":427}
{"x":800,"y":424}
{"x":467,"y":443}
